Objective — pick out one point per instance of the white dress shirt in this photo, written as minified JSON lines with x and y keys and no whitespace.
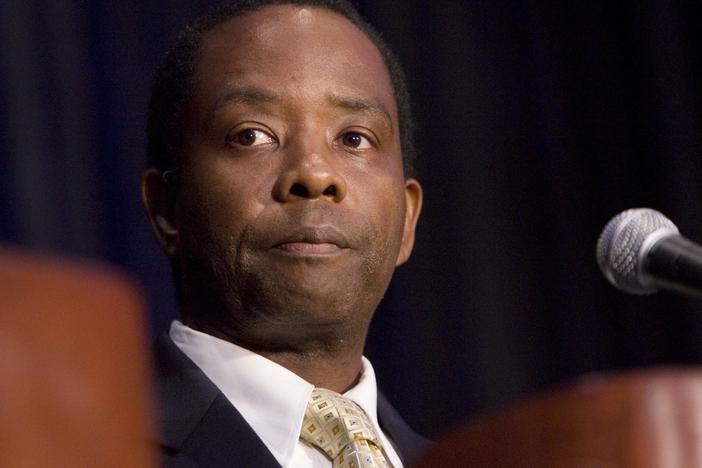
{"x":271,"y":398}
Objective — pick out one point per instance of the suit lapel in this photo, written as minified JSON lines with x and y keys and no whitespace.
{"x":409,"y":444}
{"x":199,"y":426}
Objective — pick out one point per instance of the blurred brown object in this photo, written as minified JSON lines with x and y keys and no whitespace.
{"x":73,"y":366}
{"x":643,"y":419}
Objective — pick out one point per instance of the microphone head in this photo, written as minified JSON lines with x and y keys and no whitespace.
{"x":624,"y":244}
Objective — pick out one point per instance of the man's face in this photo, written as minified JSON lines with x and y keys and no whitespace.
{"x":292,"y":209}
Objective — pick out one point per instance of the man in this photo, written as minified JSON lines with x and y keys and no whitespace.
{"x":277,"y":189}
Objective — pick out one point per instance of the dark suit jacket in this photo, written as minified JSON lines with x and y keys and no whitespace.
{"x":199,"y":427}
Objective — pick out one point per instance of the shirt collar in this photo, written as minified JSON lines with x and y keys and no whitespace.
{"x":270,"y":398}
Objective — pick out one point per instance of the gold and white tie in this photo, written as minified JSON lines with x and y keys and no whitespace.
{"x":342,"y":430}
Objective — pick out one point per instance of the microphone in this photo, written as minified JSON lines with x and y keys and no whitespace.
{"x":641,"y":251}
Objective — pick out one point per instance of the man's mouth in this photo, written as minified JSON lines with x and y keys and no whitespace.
{"x":318,"y":240}
{"x":308,"y":248}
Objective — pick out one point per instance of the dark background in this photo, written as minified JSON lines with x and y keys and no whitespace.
{"x":538,"y":122}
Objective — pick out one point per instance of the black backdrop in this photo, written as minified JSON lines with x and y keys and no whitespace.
{"x":538,"y":121}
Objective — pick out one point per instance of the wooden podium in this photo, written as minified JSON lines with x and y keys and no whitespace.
{"x":74,"y":383}
{"x":647,"y":419}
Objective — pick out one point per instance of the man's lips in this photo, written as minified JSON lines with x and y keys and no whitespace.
{"x":307,"y":248}
{"x":320,"y":240}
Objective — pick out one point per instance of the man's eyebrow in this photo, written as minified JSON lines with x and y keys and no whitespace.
{"x":358,"y":104}
{"x":247,"y":95}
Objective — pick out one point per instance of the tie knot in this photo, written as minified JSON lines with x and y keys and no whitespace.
{"x":342,"y":430}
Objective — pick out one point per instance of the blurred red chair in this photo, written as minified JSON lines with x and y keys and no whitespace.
{"x":74,"y":383}
{"x":645,"y":419}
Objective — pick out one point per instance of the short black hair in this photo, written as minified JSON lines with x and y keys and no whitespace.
{"x":173,"y":83}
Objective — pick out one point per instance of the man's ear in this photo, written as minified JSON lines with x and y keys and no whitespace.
{"x":159,"y":198}
{"x":413,"y":206}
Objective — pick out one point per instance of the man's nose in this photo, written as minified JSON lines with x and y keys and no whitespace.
{"x":310,"y":173}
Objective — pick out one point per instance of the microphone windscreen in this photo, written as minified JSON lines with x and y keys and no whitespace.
{"x":624,"y":244}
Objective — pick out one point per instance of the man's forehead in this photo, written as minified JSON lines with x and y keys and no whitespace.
{"x":285,"y":46}
{"x":254,"y":95}
{"x":266,"y":20}
{"x":284,"y":29}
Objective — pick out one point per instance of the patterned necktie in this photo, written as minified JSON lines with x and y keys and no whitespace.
{"x":342,"y":430}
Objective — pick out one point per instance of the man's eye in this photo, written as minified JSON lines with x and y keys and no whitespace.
{"x":250,"y":137}
{"x":355,"y":140}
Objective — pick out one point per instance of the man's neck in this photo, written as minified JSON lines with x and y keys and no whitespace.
{"x":334,"y":364}
{"x":338,"y":372}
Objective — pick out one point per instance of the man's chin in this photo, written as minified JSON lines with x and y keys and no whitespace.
{"x":303,"y":308}
{"x":320,"y":278}
{"x":296,"y":330}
